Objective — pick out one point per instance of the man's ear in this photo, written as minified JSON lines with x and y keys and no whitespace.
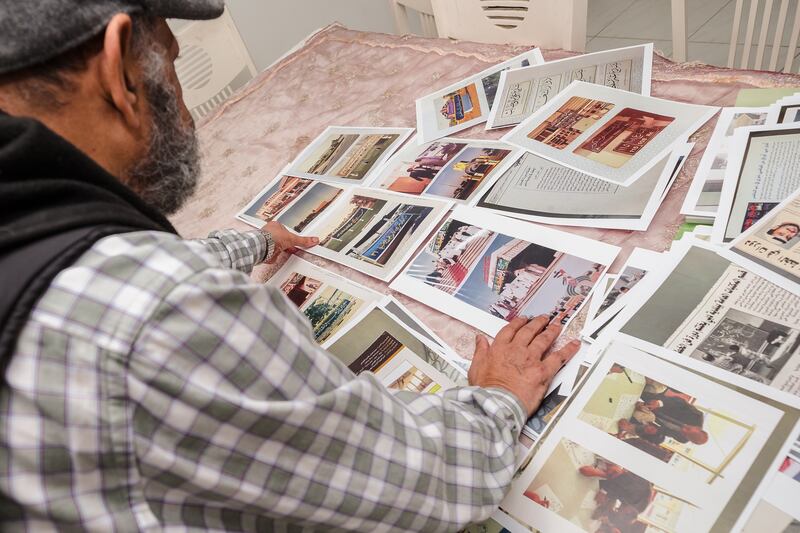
{"x":119,"y":75}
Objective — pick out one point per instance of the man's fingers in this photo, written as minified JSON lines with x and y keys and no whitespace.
{"x":510,"y":329}
{"x":305,"y":242}
{"x":554,"y":361}
{"x":526,"y":333}
{"x":543,"y":341}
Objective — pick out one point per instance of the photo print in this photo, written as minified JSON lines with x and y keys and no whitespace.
{"x":292,"y":201}
{"x":623,"y":137}
{"x":646,"y":445}
{"x":569,"y":122}
{"x":330,"y":302}
{"x":474,"y":267}
{"x":598,"y":495}
{"x":523,"y":91}
{"x":400,"y":359}
{"x":771,"y":248}
{"x":348,"y":154}
{"x":455,"y":169}
{"x":466,"y":102}
{"x":609,"y":134}
{"x":666,"y":423}
{"x":375,"y":232}
{"x":702,"y":199}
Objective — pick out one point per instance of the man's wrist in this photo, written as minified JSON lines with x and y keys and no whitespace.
{"x":512,"y":401}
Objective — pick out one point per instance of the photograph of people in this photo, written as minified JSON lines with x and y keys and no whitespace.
{"x":413,"y":176}
{"x":666,"y":423}
{"x":600,"y":496}
{"x":784,"y":232}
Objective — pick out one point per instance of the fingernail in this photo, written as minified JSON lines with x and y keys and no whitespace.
{"x":314,"y":240}
{"x":574,"y":343}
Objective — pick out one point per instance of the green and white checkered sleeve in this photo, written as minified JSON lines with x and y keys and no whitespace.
{"x":240,"y":250}
{"x":242,"y":422}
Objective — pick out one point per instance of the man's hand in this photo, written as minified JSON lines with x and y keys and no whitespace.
{"x":518,"y":362}
{"x":285,"y":240}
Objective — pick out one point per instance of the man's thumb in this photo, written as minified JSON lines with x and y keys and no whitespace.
{"x":306,"y":242}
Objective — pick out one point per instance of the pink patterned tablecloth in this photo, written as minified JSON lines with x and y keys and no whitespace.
{"x":350,"y":78}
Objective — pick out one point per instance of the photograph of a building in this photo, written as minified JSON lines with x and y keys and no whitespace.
{"x":574,"y":117}
{"x":466,"y":172}
{"x":275,"y":200}
{"x":457,"y":107}
{"x":318,"y":198}
{"x":623,"y":137}
{"x":358,"y":214}
{"x":299,"y":288}
{"x":413,"y":176}
{"x":328,"y":153}
{"x":389,"y":234}
{"x":363,"y":155}
{"x":329,"y":311}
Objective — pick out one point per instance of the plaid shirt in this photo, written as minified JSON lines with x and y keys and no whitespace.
{"x":155,"y":387}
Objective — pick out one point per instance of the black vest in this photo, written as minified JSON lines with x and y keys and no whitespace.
{"x":55,"y":203}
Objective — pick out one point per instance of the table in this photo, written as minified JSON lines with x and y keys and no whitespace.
{"x":350,"y":78}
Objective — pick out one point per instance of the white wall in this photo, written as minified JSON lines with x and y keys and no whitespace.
{"x":270,"y":28}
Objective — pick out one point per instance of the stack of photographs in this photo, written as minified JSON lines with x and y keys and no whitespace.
{"x":702,"y":199}
{"x":786,"y":110}
{"x":704,"y":311}
{"x":467,"y":102}
{"x":763,"y":170}
{"x":610,"y":134}
{"x":524,"y":90}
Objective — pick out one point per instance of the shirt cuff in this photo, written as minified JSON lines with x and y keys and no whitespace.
{"x":511,"y":401}
{"x":240,"y":250}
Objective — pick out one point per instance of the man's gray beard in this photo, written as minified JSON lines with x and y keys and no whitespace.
{"x":167,"y":176}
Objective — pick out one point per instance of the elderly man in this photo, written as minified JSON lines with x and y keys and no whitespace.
{"x":147,"y":383}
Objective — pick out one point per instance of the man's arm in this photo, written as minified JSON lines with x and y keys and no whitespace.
{"x":240,"y":250}
{"x":237,"y":407}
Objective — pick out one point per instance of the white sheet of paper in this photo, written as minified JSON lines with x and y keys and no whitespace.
{"x":346,"y":154}
{"x":524,"y":90}
{"x":465,"y":266}
{"x":763,"y":170}
{"x":465,"y":103}
{"x":610,"y":134}
{"x":702,"y":199}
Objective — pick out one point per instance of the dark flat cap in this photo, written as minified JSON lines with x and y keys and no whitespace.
{"x":34,"y":31}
